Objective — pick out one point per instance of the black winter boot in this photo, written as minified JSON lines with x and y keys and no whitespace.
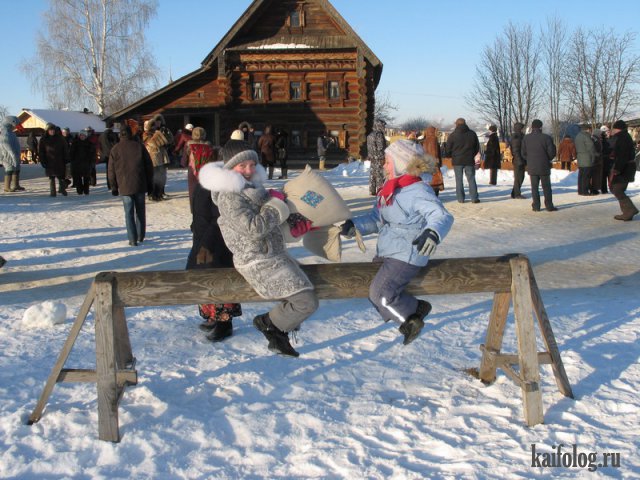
{"x":62,"y":186}
{"x":278,"y":340}
{"x":221,"y":330}
{"x":412,"y":327}
{"x":15,"y":183}
{"x":52,"y":186}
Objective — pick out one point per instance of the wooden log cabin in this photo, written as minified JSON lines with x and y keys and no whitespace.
{"x":294,"y":64}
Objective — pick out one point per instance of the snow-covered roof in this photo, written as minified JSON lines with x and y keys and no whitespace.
{"x":75,"y":121}
{"x":280,"y":46}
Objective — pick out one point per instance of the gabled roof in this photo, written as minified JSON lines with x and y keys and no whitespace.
{"x":352,"y":40}
{"x":75,"y":121}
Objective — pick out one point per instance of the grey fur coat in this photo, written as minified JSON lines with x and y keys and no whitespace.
{"x":250,"y":223}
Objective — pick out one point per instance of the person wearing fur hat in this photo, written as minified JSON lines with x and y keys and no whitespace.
{"x":250,"y":221}
{"x":411,"y":222}
{"x":432,"y":147}
{"x":208,"y":249}
{"x":82,"y":155}
{"x":157,"y":138}
{"x":181,"y":141}
{"x":10,"y":154}
{"x":54,"y":155}
{"x":623,"y":170}
{"x":197,"y":152}
{"x":538,"y":151}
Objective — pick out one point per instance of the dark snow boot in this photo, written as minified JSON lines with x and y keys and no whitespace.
{"x":278,"y":340}
{"x":52,"y":186}
{"x":62,"y":186}
{"x":412,"y":327}
{"x":629,"y":210}
{"x":220,"y":331}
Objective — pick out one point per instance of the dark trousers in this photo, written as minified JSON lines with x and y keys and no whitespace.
{"x":536,"y":180}
{"x":606,"y":171}
{"x":595,"y":182}
{"x":518,"y":178}
{"x":584,"y":180}
{"x":134,"y":216}
{"x":387,"y":290}
{"x":493,"y":176}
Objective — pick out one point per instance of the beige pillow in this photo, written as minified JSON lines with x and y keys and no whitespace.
{"x":324,"y":242}
{"x":311,"y":195}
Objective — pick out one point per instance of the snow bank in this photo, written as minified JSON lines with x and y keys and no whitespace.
{"x":44,"y":315}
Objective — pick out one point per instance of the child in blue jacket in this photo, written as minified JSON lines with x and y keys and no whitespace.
{"x":411,"y":222}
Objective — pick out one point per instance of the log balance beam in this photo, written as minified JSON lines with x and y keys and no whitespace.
{"x":509,"y":277}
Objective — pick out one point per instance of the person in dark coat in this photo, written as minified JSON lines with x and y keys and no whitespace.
{"x":282,"y":151}
{"x":492,"y":156}
{"x":54,"y":155}
{"x":624,"y":169}
{"x":130,"y":175}
{"x":107,"y":141}
{"x":82,"y":157}
{"x":538,"y":151}
{"x":607,"y":162}
{"x":266,"y":145}
{"x":462,"y":147}
{"x":519,"y":165}
{"x":32,"y":145}
{"x":209,"y":251}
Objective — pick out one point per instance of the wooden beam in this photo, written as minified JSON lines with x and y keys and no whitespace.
{"x":107,"y":384}
{"x":81,"y":375}
{"x":331,"y":281}
{"x":526,"y":334}
{"x":64,"y":354}
{"x":495,"y":332}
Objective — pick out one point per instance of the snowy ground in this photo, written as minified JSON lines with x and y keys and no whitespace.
{"x":356,"y":404}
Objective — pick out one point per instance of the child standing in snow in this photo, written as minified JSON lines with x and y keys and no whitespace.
{"x":411,"y":222}
{"x":250,"y":220}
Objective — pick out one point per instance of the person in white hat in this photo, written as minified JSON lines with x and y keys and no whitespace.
{"x":411,"y":222}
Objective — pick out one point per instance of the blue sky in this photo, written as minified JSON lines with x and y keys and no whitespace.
{"x":429,"y":49}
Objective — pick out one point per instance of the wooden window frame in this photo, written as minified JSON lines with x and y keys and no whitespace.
{"x":299,"y":10}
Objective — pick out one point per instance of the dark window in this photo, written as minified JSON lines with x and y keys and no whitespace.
{"x":295,"y":90}
{"x":334,"y":90}
{"x":295,"y":19}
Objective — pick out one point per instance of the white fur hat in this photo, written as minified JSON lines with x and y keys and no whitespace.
{"x":237,"y":135}
{"x":402,"y":152}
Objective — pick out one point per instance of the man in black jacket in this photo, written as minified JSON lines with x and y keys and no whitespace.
{"x":624,"y":169}
{"x":130,"y":174}
{"x":538,"y":151}
{"x":462,"y":147}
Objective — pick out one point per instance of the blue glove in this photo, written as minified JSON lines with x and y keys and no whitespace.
{"x":348,"y":229}
{"x":427,"y":242}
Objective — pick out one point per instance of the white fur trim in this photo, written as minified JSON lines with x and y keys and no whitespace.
{"x":217,"y":179}
{"x":260,"y":176}
{"x":280,"y":206}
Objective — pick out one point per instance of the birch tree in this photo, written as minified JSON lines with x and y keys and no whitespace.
{"x":94,"y":51}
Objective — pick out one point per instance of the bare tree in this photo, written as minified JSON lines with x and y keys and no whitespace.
{"x":94,"y":50}
{"x":3,"y":112}
{"x":490,"y":96}
{"x":554,"y":50}
{"x":416,"y":124}
{"x":384,"y":108}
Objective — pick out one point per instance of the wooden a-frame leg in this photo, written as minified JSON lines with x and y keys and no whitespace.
{"x":124,"y":355}
{"x":106,"y":360}
{"x":64,"y":354}
{"x":527,"y":350}
{"x":495,"y":332}
{"x":549,"y":338}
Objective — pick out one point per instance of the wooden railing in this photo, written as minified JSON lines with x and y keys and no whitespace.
{"x":509,"y":277}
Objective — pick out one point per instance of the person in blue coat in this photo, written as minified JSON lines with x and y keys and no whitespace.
{"x":411,"y":221}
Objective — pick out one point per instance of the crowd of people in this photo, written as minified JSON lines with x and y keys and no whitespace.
{"x":238,"y":222}
{"x":606,"y":160}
